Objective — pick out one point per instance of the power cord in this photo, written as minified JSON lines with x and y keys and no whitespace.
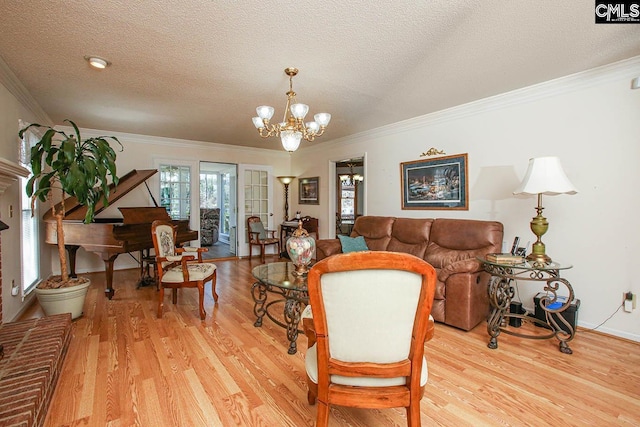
{"x":605,"y":321}
{"x":582,"y":329}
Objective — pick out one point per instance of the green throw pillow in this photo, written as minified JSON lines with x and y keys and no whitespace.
{"x":353,"y":244}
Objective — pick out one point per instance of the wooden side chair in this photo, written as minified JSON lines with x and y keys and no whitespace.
{"x":311,"y":225}
{"x":178,"y":267}
{"x":259,"y":236}
{"x":370,"y":318}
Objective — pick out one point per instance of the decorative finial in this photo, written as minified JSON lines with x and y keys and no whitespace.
{"x":432,"y":152}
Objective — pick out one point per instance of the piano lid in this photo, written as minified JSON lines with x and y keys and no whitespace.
{"x":77,"y":212}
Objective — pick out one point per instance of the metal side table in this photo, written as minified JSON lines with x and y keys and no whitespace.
{"x":501,"y":292}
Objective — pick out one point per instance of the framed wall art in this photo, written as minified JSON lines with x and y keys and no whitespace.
{"x":308,"y":191}
{"x":439,"y":183}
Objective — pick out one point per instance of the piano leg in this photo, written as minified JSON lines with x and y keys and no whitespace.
{"x":71,"y":251}
{"x":108,"y":266}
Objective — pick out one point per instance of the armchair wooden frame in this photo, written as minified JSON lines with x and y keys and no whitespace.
{"x":191,"y":276}
{"x":329,"y":393}
{"x":255,"y":240}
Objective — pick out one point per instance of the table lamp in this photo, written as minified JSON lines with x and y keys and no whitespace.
{"x":544,"y":176}
{"x":286,"y":180}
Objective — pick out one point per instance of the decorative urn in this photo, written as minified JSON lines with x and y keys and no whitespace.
{"x":300,"y":247}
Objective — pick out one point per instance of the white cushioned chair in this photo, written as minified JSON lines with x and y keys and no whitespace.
{"x":371,"y":319}
{"x":180,"y":267}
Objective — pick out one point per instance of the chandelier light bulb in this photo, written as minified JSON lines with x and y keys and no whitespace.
{"x":299,"y":110}
{"x":313,"y":127}
{"x":265,"y":112}
{"x":322,"y":118}
{"x":257,"y":122}
{"x":291,"y":140}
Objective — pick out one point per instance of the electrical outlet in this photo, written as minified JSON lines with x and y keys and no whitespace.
{"x":629,"y":301}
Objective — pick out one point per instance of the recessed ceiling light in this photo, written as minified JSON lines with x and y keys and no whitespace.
{"x":97,"y":62}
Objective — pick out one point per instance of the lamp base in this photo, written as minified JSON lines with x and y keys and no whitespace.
{"x":539,"y":259}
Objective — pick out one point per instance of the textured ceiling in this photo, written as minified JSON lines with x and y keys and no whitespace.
{"x":197,"y":69}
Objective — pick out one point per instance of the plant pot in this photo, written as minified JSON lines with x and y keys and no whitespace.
{"x":63,"y":300}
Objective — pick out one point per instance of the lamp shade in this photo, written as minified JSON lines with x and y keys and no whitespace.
{"x":286,"y":179}
{"x":545,"y":176}
{"x":290,"y":140}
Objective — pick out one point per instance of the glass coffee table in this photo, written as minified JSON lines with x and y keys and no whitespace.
{"x":277,"y":278}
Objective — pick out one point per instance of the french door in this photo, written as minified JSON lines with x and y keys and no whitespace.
{"x":255,"y":198}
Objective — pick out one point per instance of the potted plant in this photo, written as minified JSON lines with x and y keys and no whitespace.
{"x":66,"y":165}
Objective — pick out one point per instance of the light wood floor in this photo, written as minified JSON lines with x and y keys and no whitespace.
{"x":126,"y":367}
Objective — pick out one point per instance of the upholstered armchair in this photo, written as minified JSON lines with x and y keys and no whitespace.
{"x":180,"y":267}
{"x":209,"y":226}
{"x":368,"y":321}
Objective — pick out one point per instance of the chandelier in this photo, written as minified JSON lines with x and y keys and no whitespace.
{"x":292,"y":128}
{"x":351,"y":179}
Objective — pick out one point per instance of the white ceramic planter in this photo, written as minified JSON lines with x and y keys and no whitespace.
{"x":63,"y":300}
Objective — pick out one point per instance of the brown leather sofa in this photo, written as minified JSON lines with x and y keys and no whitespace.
{"x":450,"y":245}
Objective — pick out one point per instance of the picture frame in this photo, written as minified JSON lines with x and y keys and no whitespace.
{"x":309,"y":191}
{"x":439,"y":183}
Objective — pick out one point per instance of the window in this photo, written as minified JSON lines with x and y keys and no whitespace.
{"x":226,"y":203}
{"x":175,"y":193}
{"x":30,"y":249}
{"x":209,"y":190}
{"x":347,"y":201}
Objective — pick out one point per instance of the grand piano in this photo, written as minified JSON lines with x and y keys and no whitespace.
{"x":110,"y":237}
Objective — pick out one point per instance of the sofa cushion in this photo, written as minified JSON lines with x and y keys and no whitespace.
{"x":410,"y":235}
{"x":376,"y":231}
{"x":352,"y":244}
{"x":452,"y":241}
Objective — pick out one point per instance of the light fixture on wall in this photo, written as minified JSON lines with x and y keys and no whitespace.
{"x":544,"y":176}
{"x":97,"y":62}
{"x":292,"y":129}
{"x":351,"y":178}
{"x":286,"y":180}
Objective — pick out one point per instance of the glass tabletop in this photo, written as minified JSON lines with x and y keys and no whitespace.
{"x":528,"y":265}
{"x":280,"y":274}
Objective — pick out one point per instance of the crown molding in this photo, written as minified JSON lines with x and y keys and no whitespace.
{"x":171,"y":142}
{"x":17,"y":89}
{"x":625,"y":69}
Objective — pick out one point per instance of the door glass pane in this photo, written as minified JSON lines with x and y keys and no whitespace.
{"x":256,"y":195}
{"x":175,"y":190}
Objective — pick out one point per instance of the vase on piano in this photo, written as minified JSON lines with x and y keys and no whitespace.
{"x":64,"y":299}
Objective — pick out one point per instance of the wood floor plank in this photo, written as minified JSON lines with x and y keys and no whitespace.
{"x":127,"y":367}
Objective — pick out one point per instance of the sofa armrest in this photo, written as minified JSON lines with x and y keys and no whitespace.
{"x":327,"y":247}
{"x":470,"y":265}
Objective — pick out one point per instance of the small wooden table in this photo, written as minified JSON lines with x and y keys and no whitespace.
{"x":278,"y":278}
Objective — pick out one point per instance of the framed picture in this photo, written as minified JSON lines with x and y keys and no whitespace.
{"x":308,"y":191}
{"x":439,"y":183}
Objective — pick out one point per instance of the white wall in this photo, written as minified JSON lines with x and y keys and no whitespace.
{"x":591,"y":121}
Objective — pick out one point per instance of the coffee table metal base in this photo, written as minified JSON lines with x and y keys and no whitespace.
{"x":294,"y":303}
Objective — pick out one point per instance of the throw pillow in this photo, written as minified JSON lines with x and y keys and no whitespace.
{"x":257,"y":227}
{"x":352,"y":244}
